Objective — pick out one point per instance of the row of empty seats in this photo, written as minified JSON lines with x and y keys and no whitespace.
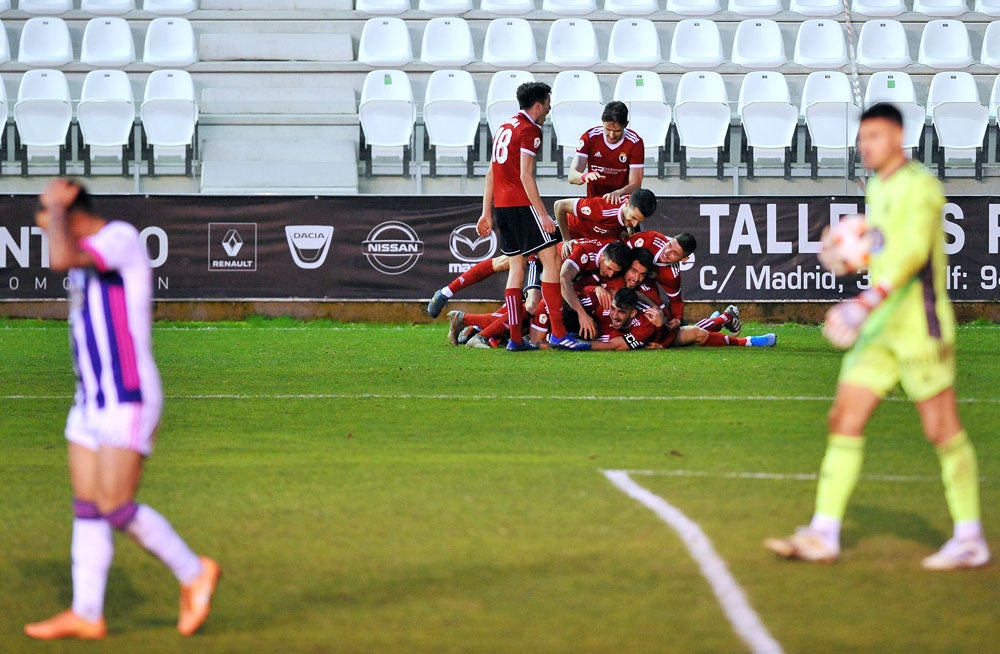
{"x":45,"y":41}
{"x":700,"y":116}
{"x":696,"y":43}
{"x":101,"y":7}
{"x":106,"y":114}
{"x":823,"y":8}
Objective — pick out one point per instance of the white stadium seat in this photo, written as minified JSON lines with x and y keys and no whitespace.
{"x":42,"y":116}
{"x":634,"y":43}
{"x":501,"y":98}
{"x":107,"y":7}
{"x":45,"y":42}
{"x":106,"y":116}
{"x":49,"y":7}
{"x":451,"y":117}
{"x":696,"y":44}
{"x":572,"y":42}
{"x":755,"y":7}
{"x":820,"y":43}
{"x":694,"y":7}
{"x":107,"y":42}
{"x":897,"y":88}
{"x":577,"y":106}
{"x":385,"y":41}
{"x":569,"y":7}
{"x":169,"y":115}
{"x":169,"y":7}
{"x":631,"y":7}
{"x":387,"y":114}
{"x":988,"y":7}
{"x":768,"y":119}
{"x":758,"y":44}
{"x":879,"y":8}
{"x":702,"y":117}
{"x":509,"y":43}
{"x":447,"y":42}
{"x":994,"y":102}
{"x":382,"y":7}
{"x":447,"y":7}
{"x":4,"y":47}
{"x":508,"y":7}
{"x":170,"y":43}
{"x":882,"y":44}
{"x":831,"y":119}
{"x":3,"y":113}
{"x":942,"y":8}
{"x":817,"y":8}
{"x":990,"y":53}
{"x":945,"y":44}
{"x":649,"y":115}
{"x":959,"y":120}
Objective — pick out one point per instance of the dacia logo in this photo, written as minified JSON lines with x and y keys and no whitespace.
{"x":392,"y":247}
{"x":309,"y":244}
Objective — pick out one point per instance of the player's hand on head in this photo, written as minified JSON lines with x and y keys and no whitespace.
{"x":60,"y":192}
{"x":567,"y":248}
{"x":604,"y":298}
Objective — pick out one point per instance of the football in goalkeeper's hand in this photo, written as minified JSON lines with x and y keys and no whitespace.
{"x":846,"y":247}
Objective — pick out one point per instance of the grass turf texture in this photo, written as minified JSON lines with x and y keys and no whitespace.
{"x":373,"y":489}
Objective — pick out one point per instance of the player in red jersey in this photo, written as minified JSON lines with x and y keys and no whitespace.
{"x":512,"y":204}
{"x":667,"y":252}
{"x":604,"y":220}
{"x":610,"y":159}
{"x":588,"y":264}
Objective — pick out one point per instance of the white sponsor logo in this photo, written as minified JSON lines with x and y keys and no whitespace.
{"x":392,"y":247}
{"x":232,"y":247}
{"x":309,"y":244}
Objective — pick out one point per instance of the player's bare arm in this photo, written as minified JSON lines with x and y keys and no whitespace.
{"x":634,"y":182}
{"x":578,"y":174}
{"x":562,"y":209}
{"x":531,"y":190}
{"x":64,"y":244}
{"x":567,"y":273}
{"x":484,"y":226}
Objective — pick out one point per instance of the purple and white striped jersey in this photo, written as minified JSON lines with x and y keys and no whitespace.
{"x":110,"y":321}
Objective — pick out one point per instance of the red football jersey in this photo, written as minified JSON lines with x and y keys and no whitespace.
{"x":668,"y":275}
{"x":596,"y":218}
{"x":514,"y":136}
{"x":612,"y":161}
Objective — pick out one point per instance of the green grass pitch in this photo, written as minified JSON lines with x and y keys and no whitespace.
{"x":373,"y":489}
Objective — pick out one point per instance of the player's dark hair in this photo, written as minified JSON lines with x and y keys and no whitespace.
{"x":531,"y":92}
{"x":687,"y":242}
{"x":615,"y":111}
{"x":644,"y":258}
{"x":83,"y":202}
{"x":626,"y":299}
{"x":883,"y":110}
{"x":644,"y":200}
{"x":618,"y":253}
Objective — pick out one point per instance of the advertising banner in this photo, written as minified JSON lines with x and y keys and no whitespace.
{"x":404,"y":248}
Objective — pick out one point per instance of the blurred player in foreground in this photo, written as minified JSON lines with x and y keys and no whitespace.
{"x":112,"y":424}
{"x":901,"y":330}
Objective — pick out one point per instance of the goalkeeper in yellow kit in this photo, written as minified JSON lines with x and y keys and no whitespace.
{"x":901,"y":330}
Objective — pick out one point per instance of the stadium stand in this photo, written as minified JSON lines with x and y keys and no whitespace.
{"x":107,"y":42}
{"x":385,"y":42}
{"x":572,"y":43}
{"x":768,"y":120}
{"x":634,"y":43}
{"x":45,"y":41}
{"x":387,"y":113}
{"x":169,"y":115}
{"x":701,"y":118}
{"x":106,"y":118}
{"x":831,"y":119}
{"x":170,"y":43}
{"x":945,"y":44}
{"x":820,"y":43}
{"x":959,"y":121}
{"x":42,"y":117}
{"x":509,"y":43}
{"x":697,"y":44}
{"x":883,"y":44}
{"x":758,"y":44}
{"x":451,"y":116}
{"x":447,"y":42}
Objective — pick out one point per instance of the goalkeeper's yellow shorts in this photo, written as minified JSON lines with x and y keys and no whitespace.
{"x":923,"y":370}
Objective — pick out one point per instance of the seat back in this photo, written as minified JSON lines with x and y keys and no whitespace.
{"x":758,"y":44}
{"x":755,"y":7}
{"x":960,"y":125}
{"x":45,"y":42}
{"x":878,"y":8}
{"x":382,"y":7}
{"x":107,"y":7}
{"x":833,"y":125}
{"x":169,"y":111}
{"x":634,"y":43}
{"x":826,"y":86}
{"x":696,"y":44}
{"x":882,"y":44}
{"x":509,"y":42}
{"x":447,"y":42}
{"x":572,"y":42}
{"x":940,"y":7}
{"x":508,"y":7}
{"x":385,"y":41}
{"x":988,"y":7}
{"x":170,"y":42}
{"x":995,"y":98}
{"x":694,"y":7}
{"x":501,"y":97}
{"x":990,"y":53}
{"x":43,"y":111}
{"x":387,"y":111}
{"x":649,"y":115}
{"x":631,"y":7}
{"x":451,"y":109}
{"x":762,"y":86}
{"x":577,"y":105}
{"x":945,"y":44}
{"x":701,"y":112}
{"x":4,"y":45}
{"x":106,"y":112}
{"x":897,"y":89}
{"x":447,"y":7}
{"x":107,"y":42}
{"x":569,"y":7}
{"x":169,"y":7}
{"x":820,"y":43}
{"x":49,"y":7}
{"x":816,"y":8}
{"x":958,"y":86}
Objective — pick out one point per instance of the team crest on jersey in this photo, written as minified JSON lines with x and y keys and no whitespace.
{"x":877,"y":239}
{"x":544,"y":318}
{"x":622,"y":157}
{"x":579,"y":145}
{"x":639,"y":242}
{"x":538,"y":142}
{"x":585,"y":211}
{"x":584,"y":259}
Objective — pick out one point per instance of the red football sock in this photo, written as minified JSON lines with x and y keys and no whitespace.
{"x":495,"y":328}
{"x":477,"y":273}
{"x":715,"y":339}
{"x":714,"y":324}
{"x":480,"y":320}
{"x":552,"y":292}
{"x":515,"y":309}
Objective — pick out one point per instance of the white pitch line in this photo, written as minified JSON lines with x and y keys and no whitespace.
{"x":742,"y":617}
{"x":778,"y":476}
{"x":480,"y":397}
